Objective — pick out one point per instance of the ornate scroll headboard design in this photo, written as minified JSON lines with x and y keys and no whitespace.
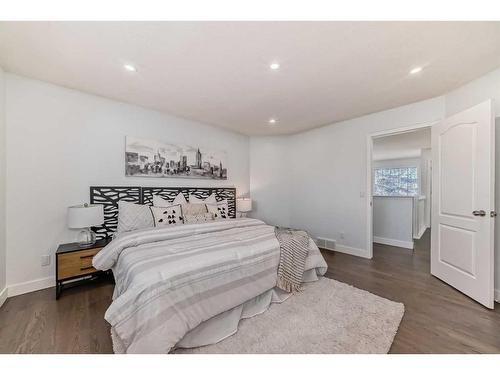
{"x":109,"y":196}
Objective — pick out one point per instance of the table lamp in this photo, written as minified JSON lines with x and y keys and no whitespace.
{"x":83,"y":217}
{"x":243,"y":205}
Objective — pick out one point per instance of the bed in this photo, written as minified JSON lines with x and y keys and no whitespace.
{"x":188,"y":285}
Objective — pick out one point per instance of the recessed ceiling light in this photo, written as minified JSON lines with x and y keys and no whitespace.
{"x":274,"y":66}
{"x":130,"y":68}
{"x":416,"y":70}
{"x":272,"y":121}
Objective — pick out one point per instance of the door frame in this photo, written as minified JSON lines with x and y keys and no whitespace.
{"x":369,"y":172}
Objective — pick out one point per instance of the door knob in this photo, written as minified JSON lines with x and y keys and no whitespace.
{"x":479,"y":213}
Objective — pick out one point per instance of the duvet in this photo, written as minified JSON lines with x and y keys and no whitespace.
{"x":171,"y":279}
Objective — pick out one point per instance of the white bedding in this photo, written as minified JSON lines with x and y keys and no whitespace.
{"x":169,"y":280}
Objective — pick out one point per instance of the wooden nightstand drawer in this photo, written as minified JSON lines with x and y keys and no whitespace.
{"x":76,"y":263}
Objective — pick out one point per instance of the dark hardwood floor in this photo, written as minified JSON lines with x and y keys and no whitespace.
{"x":38,"y":323}
{"x":438,"y":319}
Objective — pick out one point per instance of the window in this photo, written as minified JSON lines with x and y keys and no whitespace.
{"x":395,"y":181}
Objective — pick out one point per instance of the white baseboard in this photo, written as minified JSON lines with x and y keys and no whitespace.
{"x":48,"y":282}
{"x":351,"y":251}
{"x":3,"y":296}
{"x":391,"y":242}
{"x":31,"y":286}
{"x":421,"y":233}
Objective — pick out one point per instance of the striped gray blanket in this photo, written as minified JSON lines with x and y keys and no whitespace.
{"x":171,"y":279}
{"x":294,"y":248}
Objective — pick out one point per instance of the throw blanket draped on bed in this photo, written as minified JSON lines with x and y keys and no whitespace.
{"x":294,"y":247}
{"x":171,"y":279}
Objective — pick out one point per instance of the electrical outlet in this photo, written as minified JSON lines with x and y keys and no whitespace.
{"x":45,"y":260}
{"x":342,"y":235}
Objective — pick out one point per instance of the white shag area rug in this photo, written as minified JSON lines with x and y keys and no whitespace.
{"x":327,"y":317}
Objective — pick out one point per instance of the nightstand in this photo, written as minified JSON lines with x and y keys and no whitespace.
{"x":75,"y":263}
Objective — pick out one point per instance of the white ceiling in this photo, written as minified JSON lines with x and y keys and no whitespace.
{"x":400,"y":146}
{"x":217,"y":72}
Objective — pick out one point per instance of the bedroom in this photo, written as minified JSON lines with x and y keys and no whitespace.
{"x":197,"y":197}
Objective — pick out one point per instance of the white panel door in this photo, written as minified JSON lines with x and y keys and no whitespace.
{"x":462,"y":239}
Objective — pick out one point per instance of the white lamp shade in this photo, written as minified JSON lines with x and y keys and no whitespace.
{"x":243,"y":205}
{"x":84,"y":216}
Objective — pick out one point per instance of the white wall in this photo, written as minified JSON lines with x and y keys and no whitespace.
{"x":3,"y":266}
{"x":270,"y":179}
{"x":329,"y":173}
{"x":396,"y":220}
{"x":60,"y":142}
{"x":402,"y":145}
{"x":475,"y":92}
{"x":325,"y":187}
{"x":395,"y":163}
{"x":393,"y":221}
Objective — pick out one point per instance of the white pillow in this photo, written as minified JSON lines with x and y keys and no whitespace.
{"x":219,"y":210}
{"x":162,"y":202}
{"x":132,"y":216}
{"x":171,"y":215}
{"x":194,"y":209}
{"x":195,"y":199}
{"x":198,"y":218}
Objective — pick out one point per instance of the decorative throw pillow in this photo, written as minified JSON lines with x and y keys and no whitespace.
{"x":200,"y":218}
{"x":194,"y":209}
{"x":187,"y":208}
{"x":209,"y":199}
{"x":220,"y":210}
{"x":162,"y":202}
{"x":132,"y":216}
{"x":171,"y":215}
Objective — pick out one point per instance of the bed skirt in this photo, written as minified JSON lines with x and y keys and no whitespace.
{"x":226,"y":324}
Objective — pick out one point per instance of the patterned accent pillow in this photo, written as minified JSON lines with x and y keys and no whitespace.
{"x":194,"y":209}
{"x":220,"y":210}
{"x":209,"y":199}
{"x":171,"y":215}
{"x":187,"y":208}
{"x":200,"y":218}
{"x":159,"y":201}
{"x":132,"y":216}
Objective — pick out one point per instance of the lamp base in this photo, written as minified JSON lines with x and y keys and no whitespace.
{"x":86,"y":238}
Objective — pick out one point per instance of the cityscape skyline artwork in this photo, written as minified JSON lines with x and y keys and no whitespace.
{"x":152,"y":158}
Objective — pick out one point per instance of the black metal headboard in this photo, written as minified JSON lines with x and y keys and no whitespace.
{"x":109,"y":196}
